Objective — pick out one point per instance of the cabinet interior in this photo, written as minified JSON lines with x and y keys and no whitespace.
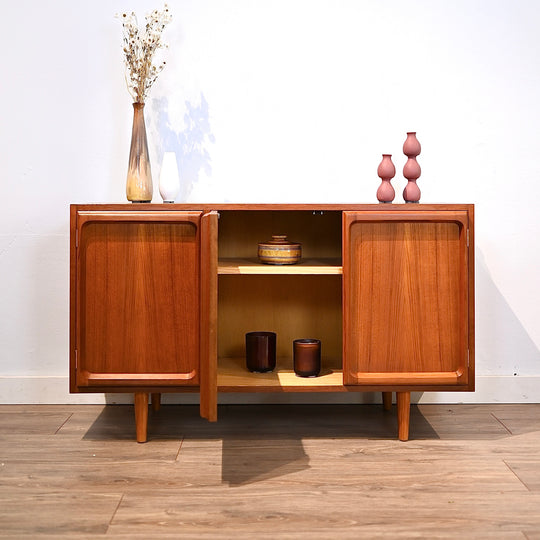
{"x":294,"y":301}
{"x":318,"y":232}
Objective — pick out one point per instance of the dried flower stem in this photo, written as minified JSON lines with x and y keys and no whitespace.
{"x":139,"y":50}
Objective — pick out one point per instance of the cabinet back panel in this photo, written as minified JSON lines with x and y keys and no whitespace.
{"x":410,"y":303}
{"x":139,"y":297}
{"x":292,"y":306}
{"x":241,"y":231}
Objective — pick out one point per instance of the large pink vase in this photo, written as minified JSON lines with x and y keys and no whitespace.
{"x":386,"y":171}
{"x":411,"y":170}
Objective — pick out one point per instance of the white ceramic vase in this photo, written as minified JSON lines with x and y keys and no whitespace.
{"x":169,"y":180}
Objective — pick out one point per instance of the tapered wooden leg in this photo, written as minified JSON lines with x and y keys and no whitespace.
{"x":156,"y":402}
{"x":403,"y":414}
{"x":141,"y":415}
{"x":387,"y":400}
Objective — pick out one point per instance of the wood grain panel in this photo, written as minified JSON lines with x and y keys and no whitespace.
{"x":138,"y":298}
{"x":406,"y":301}
{"x":37,"y":513}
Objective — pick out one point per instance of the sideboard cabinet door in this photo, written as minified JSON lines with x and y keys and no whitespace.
{"x":408,"y":298}
{"x":137,"y":317}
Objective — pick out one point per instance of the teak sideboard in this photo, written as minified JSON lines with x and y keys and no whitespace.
{"x":162,"y":296}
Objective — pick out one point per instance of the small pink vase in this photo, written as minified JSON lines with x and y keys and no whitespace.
{"x":386,"y":171}
{"x":411,"y":170}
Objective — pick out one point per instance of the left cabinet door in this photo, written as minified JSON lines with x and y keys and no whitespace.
{"x":138,"y":316}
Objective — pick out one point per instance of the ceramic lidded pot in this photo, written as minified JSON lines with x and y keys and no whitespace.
{"x":279,"y":250}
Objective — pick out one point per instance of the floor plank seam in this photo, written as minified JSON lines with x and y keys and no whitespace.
{"x":63,"y":423}
{"x":115,"y":511}
{"x":517,"y":476}
{"x":502,"y":424}
{"x":179,"y":448}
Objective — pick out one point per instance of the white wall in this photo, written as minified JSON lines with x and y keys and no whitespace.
{"x":274,"y":101}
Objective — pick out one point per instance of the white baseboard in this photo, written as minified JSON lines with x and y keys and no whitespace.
{"x":55,"y":390}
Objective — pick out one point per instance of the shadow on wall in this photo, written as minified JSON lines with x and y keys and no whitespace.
{"x":190,"y":143}
{"x":503,"y":345}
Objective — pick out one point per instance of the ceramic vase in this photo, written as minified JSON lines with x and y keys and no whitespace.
{"x":386,"y":171}
{"x":169,"y":180}
{"x":411,"y":170}
{"x":139,"y":177}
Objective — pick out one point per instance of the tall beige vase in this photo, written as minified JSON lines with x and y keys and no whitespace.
{"x":139,"y":177}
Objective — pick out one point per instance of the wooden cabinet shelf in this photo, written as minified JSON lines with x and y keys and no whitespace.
{"x":163,"y":295}
{"x":304,"y":267}
{"x":233,"y":376}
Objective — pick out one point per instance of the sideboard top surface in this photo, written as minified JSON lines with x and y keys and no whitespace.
{"x":206,"y":207}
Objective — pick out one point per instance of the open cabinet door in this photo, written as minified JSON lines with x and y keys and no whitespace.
{"x":209,"y":299}
{"x":408,"y":298}
{"x":141,"y":300}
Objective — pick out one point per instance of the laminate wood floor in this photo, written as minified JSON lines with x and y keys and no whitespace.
{"x":276,"y":471}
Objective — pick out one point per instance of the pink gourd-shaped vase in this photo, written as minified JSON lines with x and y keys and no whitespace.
{"x":386,"y":171}
{"x":411,"y":170}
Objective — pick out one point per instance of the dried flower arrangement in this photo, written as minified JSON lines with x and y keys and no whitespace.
{"x":139,"y":50}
